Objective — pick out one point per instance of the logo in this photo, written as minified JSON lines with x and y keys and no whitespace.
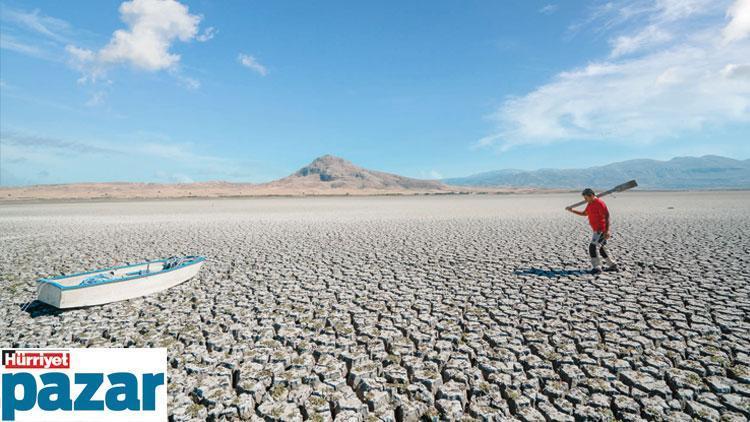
{"x":83,"y":385}
{"x":20,"y":359}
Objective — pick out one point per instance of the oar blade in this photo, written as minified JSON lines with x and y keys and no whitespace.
{"x":625,"y":186}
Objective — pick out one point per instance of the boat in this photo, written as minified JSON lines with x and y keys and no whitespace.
{"x":117,"y":283}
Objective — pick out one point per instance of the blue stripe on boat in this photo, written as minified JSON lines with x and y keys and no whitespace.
{"x":51,"y":280}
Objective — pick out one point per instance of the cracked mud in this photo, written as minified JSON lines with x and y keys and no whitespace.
{"x":401,"y":309}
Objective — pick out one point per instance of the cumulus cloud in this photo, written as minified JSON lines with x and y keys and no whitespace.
{"x":85,"y":61}
{"x":251,"y":63}
{"x":669,"y":71}
{"x":153,"y":26}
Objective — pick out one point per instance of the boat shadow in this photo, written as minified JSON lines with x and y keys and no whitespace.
{"x":37,"y":309}
{"x":551,"y":273}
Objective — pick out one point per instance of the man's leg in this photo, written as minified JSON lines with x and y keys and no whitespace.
{"x":611,"y":265}
{"x":595,"y":260}
{"x":605,"y":256}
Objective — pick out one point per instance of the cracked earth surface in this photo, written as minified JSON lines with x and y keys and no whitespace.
{"x":405,"y":309}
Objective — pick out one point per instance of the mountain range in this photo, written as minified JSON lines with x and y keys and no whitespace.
{"x":680,"y":173}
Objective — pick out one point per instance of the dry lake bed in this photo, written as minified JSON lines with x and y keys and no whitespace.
{"x":401,"y":308}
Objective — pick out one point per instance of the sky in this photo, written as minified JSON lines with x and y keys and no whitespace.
{"x":250,"y":91}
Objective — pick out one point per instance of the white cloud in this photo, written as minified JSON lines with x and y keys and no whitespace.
{"x":188,"y":82}
{"x":34,"y":34}
{"x":549,"y":9}
{"x":8,"y":42}
{"x":97,"y":99}
{"x":48,"y":26}
{"x":85,"y":61}
{"x":153,"y":25}
{"x":616,"y":14}
{"x":208,"y":34}
{"x":673,"y":10}
{"x":251,"y":63}
{"x":739,"y":24}
{"x":651,"y":87}
{"x":152,"y":28}
{"x":173,"y":177}
{"x":80,"y":54}
{"x":738,"y":71}
{"x":650,"y":36}
{"x":26,"y":153}
{"x":31,"y":141}
{"x":670,"y":76}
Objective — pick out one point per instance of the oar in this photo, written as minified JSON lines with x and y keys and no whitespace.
{"x":619,"y":188}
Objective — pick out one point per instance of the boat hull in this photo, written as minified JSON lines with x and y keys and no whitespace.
{"x":78,"y":296}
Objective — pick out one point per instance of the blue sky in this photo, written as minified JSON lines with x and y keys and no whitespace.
{"x":167,"y":91}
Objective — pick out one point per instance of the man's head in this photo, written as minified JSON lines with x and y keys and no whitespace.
{"x":588,"y":195}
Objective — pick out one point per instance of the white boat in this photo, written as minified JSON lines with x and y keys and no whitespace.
{"x":117,"y":283}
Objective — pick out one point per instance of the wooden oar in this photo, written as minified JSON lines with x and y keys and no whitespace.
{"x":619,"y":188}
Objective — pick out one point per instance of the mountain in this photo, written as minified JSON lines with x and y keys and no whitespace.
{"x":706,"y":172}
{"x":329,"y":173}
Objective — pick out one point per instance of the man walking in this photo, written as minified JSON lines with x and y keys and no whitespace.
{"x":598,"y":215}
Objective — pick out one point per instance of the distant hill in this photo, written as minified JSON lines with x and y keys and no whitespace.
{"x":329,"y":172}
{"x":707,"y":172}
{"x":325,"y":176}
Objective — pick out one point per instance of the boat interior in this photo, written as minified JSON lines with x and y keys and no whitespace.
{"x":110,"y":274}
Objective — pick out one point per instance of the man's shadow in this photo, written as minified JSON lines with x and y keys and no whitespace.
{"x":550,"y":273}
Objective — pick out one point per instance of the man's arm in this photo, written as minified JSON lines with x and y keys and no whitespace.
{"x":581,"y":213}
{"x":606,"y":223}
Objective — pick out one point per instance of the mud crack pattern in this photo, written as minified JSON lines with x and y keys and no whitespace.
{"x":405,"y":309}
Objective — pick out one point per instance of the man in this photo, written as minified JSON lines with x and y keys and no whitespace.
{"x":598,"y":215}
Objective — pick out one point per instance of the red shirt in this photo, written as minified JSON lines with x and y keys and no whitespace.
{"x":598,"y":214}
